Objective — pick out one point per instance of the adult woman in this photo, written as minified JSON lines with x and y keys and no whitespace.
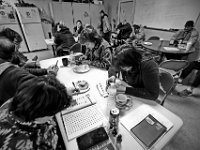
{"x":139,"y":77}
{"x":98,"y":50}
{"x":27,"y":121}
{"x":78,"y":28}
{"x":63,"y":39}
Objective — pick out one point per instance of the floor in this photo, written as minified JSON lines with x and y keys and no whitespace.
{"x":188,"y":109}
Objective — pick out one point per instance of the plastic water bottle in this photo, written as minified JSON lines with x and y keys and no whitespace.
{"x":111,"y":98}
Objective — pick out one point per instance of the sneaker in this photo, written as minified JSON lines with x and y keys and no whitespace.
{"x":185,"y":92}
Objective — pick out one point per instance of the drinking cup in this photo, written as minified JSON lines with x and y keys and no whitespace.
{"x":121,"y":99}
{"x":65,"y":61}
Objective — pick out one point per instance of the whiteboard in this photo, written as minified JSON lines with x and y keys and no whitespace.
{"x":166,"y":14}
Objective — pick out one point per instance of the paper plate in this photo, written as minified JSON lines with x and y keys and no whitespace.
{"x":81,"y":68}
{"x":82,"y":85}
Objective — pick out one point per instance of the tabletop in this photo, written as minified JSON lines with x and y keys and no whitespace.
{"x":164,"y":47}
{"x":66,"y":75}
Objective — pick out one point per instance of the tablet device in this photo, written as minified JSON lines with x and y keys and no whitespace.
{"x":92,"y":138}
{"x":149,"y":130}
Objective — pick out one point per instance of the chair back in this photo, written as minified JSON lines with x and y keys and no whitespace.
{"x":175,"y":65}
{"x":76,"y":48}
{"x":154,"y":38}
{"x":166,"y":85}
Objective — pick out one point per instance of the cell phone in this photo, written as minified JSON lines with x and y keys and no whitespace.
{"x":92,"y":138}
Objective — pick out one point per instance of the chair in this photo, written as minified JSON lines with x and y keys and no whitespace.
{"x":75,"y":48}
{"x":174,"y":67}
{"x":154,"y":38}
{"x":166,"y":86}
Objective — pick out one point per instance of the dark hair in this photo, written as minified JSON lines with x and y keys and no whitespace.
{"x":79,"y":21}
{"x":102,"y":11}
{"x":127,"y":56}
{"x":7,"y":48}
{"x":189,"y":23}
{"x":136,"y":26}
{"x":39,"y":97}
{"x":12,"y":35}
{"x":89,"y":34}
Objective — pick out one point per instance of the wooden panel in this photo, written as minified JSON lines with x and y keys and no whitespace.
{"x":81,"y":12}
{"x":94,"y":13}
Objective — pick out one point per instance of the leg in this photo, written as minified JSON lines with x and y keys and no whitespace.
{"x":196,"y":81}
{"x":189,"y":68}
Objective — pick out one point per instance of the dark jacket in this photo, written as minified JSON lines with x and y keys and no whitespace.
{"x":145,"y":83}
{"x":125,"y":31}
{"x":64,"y":38}
{"x":10,"y":78}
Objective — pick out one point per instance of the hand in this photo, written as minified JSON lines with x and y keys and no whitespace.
{"x":72,"y":91}
{"x":86,"y":62}
{"x":83,"y":57}
{"x":171,"y":42}
{"x":109,"y":81}
{"x":53,"y":69}
{"x":121,"y":89}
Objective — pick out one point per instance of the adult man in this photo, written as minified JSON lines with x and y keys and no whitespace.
{"x":189,"y":36}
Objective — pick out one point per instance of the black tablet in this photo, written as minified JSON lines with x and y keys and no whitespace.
{"x":92,"y":138}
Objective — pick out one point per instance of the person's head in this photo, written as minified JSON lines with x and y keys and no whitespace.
{"x":102,"y":13}
{"x":7,"y":48}
{"x":89,"y":37}
{"x":189,"y":25}
{"x":136,"y":28}
{"x":127,"y":58}
{"x":78,"y":23}
{"x":45,"y":97}
{"x":13,"y":36}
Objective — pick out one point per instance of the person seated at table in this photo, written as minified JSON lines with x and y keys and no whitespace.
{"x":194,"y":65}
{"x":27,"y":120}
{"x":189,"y":36}
{"x":20,"y":59}
{"x":137,"y":35}
{"x":63,"y":38}
{"x":98,"y":51}
{"x":78,"y":28}
{"x":124,"y":30}
{"x":139,"y":77}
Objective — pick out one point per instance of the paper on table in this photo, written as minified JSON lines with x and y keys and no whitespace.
{"x":137,"y":115}
{"x":171,"y":48}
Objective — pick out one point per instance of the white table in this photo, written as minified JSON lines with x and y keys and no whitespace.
{"x":94,"y":76}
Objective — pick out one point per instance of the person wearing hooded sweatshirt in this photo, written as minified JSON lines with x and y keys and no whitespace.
{"x":136,"y":76}
{"x":63,"y":39}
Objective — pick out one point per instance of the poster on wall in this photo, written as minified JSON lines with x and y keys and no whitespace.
{"x":29,"y":14}
{"x":7,"y":15}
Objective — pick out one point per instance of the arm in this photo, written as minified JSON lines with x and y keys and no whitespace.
{"x":37,"y":71}
{"x":150,"y":77}
{"x":107,"y":23}
{"x":105,"y":59}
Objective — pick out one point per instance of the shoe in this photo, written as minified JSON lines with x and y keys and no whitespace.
{"x":185,"y":93}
